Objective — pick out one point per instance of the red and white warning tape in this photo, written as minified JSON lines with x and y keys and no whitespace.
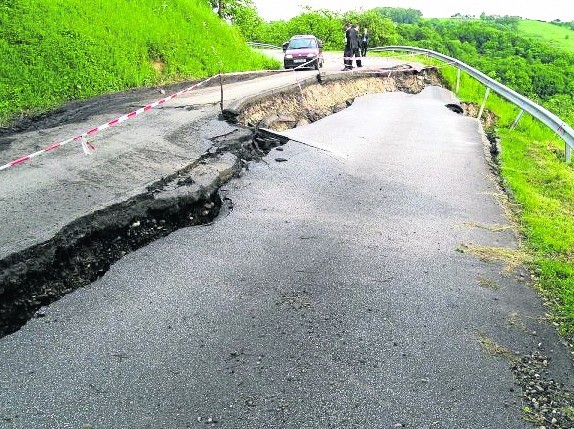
{"x":305,"y":64}
{"x":82,"y":138}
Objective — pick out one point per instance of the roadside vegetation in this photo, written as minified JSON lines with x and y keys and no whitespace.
{"x":533,"y":170}
{"x":523,"y":55}
{"x":54,"y":51}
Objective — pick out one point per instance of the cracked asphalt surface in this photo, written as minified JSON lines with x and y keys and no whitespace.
{"x":43,"y":195}
{"x":330,"y":296}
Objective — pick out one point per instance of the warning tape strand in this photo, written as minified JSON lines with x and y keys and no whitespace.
{"x":83,"y":137}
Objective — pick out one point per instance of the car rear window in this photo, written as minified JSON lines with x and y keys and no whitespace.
{"x":302,"y":44}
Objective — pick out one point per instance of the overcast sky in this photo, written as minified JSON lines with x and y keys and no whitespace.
{"x":533,"y":9}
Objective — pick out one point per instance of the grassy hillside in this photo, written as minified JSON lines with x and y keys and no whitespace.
{"x":560,"y":37}
{"x":57,"y":50}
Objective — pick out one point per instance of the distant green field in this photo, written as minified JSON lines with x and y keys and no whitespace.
{"x":558,"y":36}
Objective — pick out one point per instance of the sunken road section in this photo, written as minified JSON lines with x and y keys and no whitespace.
{"x":84,"y":250}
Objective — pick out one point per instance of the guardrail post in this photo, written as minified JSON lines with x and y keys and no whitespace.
{"x":457,"y":80}
{"x":483,"y":103}
{"x":517,"y":120}
{"x":221,"y":89}
{"x":568,"y":152}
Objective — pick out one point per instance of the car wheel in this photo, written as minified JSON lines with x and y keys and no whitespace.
{"x":317,"y":65}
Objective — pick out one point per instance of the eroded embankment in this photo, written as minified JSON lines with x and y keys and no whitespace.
{"x":84,"y":250}
{"x":313,"y":102}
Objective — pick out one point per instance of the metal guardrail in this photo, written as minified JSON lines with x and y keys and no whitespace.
{"x":263,"y":45}
{"x":543,"y":115}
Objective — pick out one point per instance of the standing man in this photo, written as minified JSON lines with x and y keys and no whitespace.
{"x":364,"y":43}
{"x":351,"y":46}
{"x":348,"y":52}
{"x":357,"y":45}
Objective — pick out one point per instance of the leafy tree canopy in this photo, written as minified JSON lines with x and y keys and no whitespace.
{"x":400,"y":15}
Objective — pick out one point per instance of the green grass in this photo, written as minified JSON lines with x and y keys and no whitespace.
{"x":533,"y":169}
{"x":58,"y":50}
{"x":557,"y":36}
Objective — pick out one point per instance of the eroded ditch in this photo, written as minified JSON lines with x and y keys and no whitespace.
{"x":84,"y":250}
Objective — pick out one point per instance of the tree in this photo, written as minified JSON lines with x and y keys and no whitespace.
{"x":242,"y":13}
{"x":248,"y":22}
{"x":400,"y":15}
{"x":562,"y":105}
{"x":275,"y":33}
{"x":382,"y":30}
{"x":324,"y":24}
{"x":548,"y":80}
{"x":227,"y":9}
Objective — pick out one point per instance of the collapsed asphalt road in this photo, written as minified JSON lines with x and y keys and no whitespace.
{"x":68,"y":218}
{"x":332,"y":295}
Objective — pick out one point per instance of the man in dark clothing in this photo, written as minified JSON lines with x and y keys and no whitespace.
{"x":348,"y":52}
{"x":351,"y":46}
{"x":364,"y":43}
{"x":357,"y":49}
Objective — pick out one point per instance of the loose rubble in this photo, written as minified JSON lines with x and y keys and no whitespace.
{"x":545,"y":402}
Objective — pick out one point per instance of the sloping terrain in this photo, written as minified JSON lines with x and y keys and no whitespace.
{"x":54,"y":51}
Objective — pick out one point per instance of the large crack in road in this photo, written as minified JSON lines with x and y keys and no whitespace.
{"x":84,"y":250}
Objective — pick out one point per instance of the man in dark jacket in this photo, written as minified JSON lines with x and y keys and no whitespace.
{"x":351,"y":46}
{"x":348,"y":52}
{"x":357,"y":49}
{"x":364,"y":43}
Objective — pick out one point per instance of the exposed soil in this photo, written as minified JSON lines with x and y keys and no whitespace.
{"x":296,"y":108}
{"x":488,"y":118}
{"x":84,"y":251}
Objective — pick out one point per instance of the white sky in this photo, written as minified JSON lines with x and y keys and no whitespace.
{"x":546,"y":10}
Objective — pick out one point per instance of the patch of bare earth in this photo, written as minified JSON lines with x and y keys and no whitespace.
{"x":488,"y":118}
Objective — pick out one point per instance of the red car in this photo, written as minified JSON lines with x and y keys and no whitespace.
{"x":303,"y":51}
